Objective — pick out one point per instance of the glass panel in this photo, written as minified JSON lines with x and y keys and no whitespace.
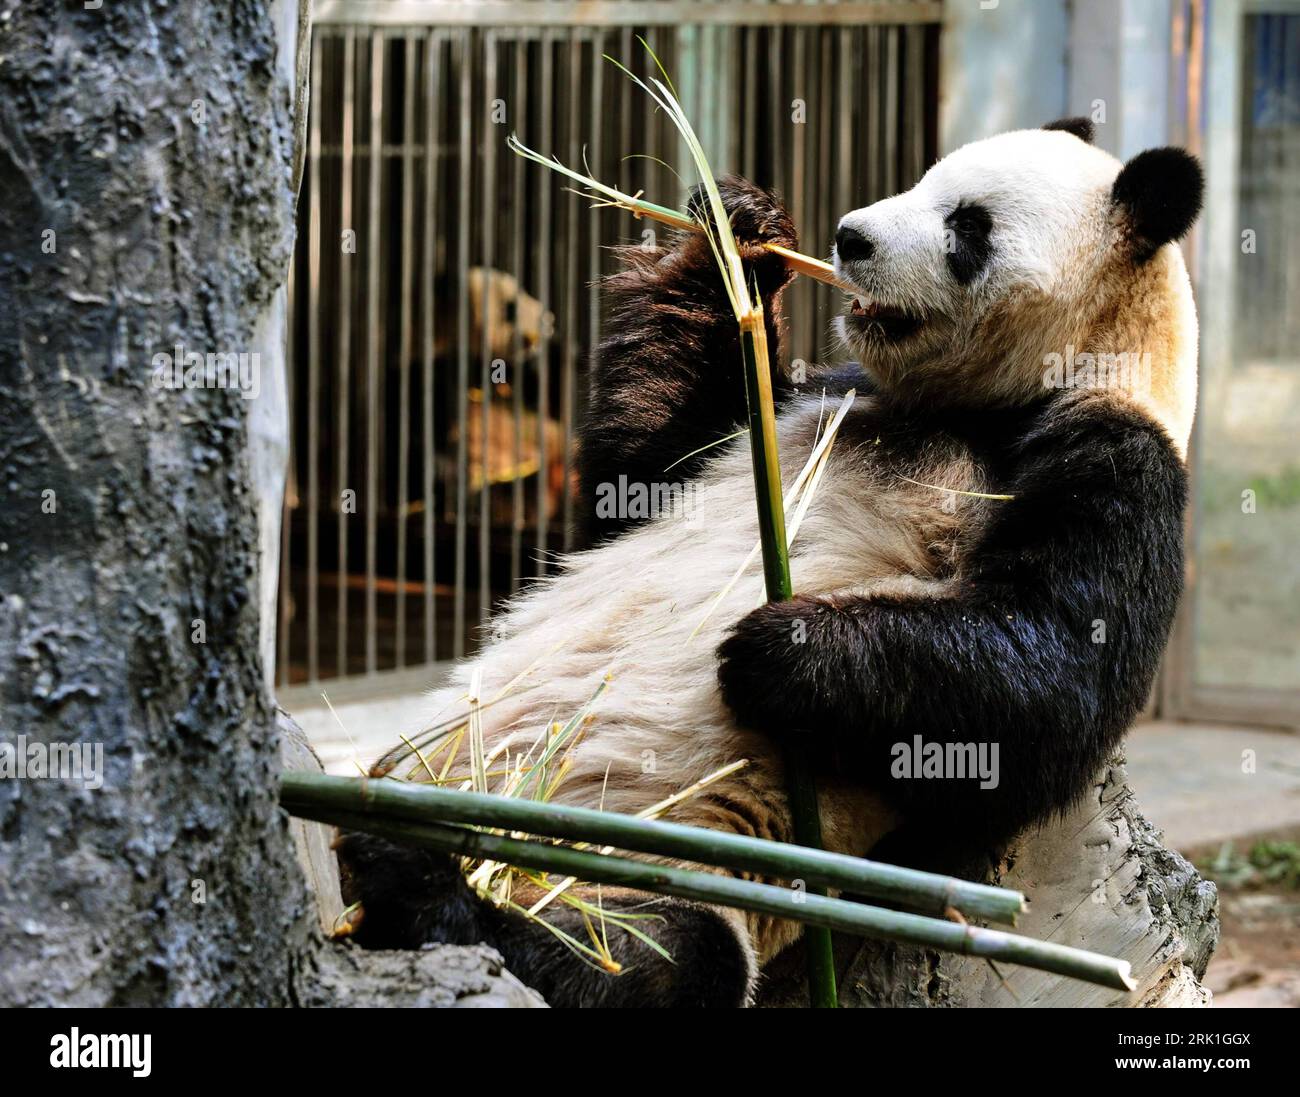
{"x":1247,"y":600}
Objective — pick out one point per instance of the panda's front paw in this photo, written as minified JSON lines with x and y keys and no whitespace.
{"x":763,"y":669}
{"x":757,"y":218}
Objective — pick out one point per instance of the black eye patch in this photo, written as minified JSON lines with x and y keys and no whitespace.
{"x":967,"y":241}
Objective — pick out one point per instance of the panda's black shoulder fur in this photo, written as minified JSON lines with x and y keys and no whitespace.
{"x":837,"y":380}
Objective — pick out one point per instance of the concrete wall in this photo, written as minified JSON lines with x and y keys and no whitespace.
{"x":1002,"y":67}
{"x":1119,"y":71}
{"x":1012,"y":64}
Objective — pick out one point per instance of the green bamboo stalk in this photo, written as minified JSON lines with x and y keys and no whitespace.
{"x":306,"y":794}
{"x":813,"y":910}
{"x":806,"y":818}
{"x":800,"y":785}
{"x":763,"y":451}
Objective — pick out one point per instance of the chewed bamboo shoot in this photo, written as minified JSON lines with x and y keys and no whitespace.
{"x":605,"y":195}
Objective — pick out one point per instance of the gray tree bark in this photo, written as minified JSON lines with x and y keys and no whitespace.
{"x":147,"y":183}
{"x":153,"y":144}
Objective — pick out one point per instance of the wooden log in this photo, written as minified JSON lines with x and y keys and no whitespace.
{"x":313,"y":841}
{"x":1098,"y":879}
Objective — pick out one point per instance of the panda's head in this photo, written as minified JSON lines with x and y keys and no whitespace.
{"x":1019,"y":248}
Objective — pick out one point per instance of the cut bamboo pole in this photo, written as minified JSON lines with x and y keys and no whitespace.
{"x":812,"y":910}
{"x":306,"y":794}
{"x":805,"y":816}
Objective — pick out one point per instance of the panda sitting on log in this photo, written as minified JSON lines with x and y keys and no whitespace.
{"x":993,"y":556}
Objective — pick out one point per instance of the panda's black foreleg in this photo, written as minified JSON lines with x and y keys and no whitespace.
{"x":411,"y":897}
{"x":996,"y":701}
{"x":668,"y":377}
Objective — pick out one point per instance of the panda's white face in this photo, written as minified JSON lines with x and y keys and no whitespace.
{"x":995,"y":258}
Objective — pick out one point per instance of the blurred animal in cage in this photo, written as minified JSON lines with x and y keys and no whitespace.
{"x":519,"y":447}
{"x":505,"y":336}
{"x":499,"y":309}
{"x":509,"y":331}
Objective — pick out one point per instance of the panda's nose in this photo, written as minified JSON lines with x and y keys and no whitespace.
{"x":851,"y":245}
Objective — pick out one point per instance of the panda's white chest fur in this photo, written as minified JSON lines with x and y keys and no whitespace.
{"x":888,"y":514}
{"x":647,"y":611}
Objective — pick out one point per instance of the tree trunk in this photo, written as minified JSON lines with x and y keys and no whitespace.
{"x":147,"y":181}
{"x":148,"y":149}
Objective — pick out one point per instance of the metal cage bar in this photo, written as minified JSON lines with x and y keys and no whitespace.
{"x":446,"y":303}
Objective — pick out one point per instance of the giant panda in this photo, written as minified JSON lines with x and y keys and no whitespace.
{"x":993,"y":555}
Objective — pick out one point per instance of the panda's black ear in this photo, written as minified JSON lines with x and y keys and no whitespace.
{"x":1160,"y":193}
{"x":1080,"y":127}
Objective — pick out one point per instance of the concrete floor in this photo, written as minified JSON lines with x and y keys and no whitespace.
{"x":357,"y":732}
{"x":1205,"y":784}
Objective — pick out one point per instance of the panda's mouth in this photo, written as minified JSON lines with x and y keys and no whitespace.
{"x":874,"y":318}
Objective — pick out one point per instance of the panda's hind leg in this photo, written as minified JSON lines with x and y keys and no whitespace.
{"x":411,"y":897}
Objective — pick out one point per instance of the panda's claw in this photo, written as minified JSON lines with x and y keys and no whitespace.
{"x":757,"y":219}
